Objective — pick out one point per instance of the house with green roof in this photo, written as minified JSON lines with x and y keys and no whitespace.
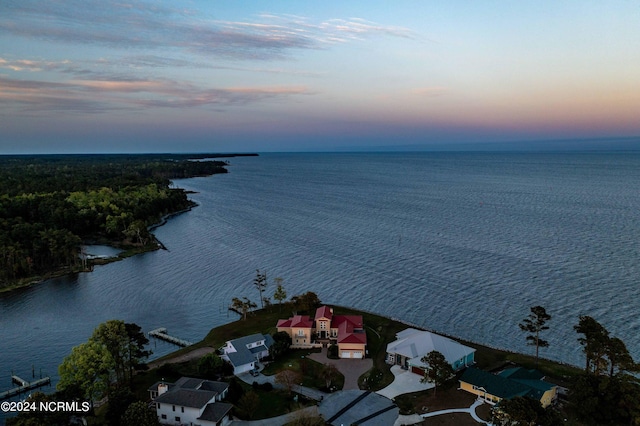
{"x":508,"y":384}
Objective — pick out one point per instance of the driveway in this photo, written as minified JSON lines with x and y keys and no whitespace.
{"x":351,"y":369}
{"x":404,"y":382}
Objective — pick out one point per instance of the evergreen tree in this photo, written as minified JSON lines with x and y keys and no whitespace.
{"x":594,"y":344}
{"x":437,"y":371}
{"x":534,"y":324}
{"x":139,"y":414}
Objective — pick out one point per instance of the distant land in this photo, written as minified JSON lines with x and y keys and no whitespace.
{"x":550,"y":145}
{"x":385,"y":144}
{"x":52,"y":204}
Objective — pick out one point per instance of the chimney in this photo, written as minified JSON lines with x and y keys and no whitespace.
{"x":162,"y":388}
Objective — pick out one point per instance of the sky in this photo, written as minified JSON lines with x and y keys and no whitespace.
{"x":260,"y":76}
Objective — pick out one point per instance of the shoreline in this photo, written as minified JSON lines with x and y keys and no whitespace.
{"x":207,"y":343}
{"x":128,"y":251}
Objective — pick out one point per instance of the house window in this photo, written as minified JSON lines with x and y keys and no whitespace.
{"x":300,"y":332}
{"x":174,"y":408}
{"x":177,"y":419}
{"x":182,"y":408}
{"x":158,"y":405}
{"x":164,"y":417}
{"x":323,"y":325}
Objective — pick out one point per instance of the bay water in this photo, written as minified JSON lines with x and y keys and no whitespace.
{"x":459,"y":243}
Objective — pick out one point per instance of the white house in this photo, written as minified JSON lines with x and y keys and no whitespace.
{"x":190,"y":401}
{"x":243,"y":353}
{"x":411,"y":345}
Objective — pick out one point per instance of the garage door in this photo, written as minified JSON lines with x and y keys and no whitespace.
{"x":357,"y":354}
{"x":417,"y":370}
{"x":345,"y":354}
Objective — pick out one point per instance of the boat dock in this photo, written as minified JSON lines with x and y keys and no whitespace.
{"x":161,"y":333}
{"x":24,"y":386}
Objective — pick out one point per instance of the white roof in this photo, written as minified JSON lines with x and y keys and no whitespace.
{"x":415,"y":344}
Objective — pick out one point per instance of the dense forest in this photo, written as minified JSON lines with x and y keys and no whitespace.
{"x":51,"y":204}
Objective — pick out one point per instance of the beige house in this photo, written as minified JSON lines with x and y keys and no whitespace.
{"x":346,"y":331}
{"x":299,"y":327}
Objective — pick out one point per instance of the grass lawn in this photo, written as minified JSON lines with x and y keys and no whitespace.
{"x":273,"y":403}
{"x":311,"y":370}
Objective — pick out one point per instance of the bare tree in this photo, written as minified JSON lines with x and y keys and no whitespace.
{"x":288,"y":379}
{"x":242,"y":306}
{"x":329,"y":373}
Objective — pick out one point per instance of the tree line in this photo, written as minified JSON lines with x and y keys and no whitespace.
{"x":49,"y":205}
{"x":607,"y":392}
{"x":102,"y":367}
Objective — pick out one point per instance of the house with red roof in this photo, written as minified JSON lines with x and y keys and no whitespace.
{"x":346,"y":331}
{"x":299,"y":327}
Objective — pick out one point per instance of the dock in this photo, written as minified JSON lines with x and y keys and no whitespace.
{"x":161,"y":333}
{"x":24,"y":386}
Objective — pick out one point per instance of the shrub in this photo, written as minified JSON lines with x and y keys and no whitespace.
{"x":332,"y":352}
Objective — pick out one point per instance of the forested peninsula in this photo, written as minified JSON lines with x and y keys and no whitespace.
{"x":52,"y":204}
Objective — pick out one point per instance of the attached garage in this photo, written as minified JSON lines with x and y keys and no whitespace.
{"x":417,"y":370}
{"x":345,"y":354}
{"x":357,"y":354}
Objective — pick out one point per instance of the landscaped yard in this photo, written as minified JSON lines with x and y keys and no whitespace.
{"x":273,"y":403}
{"x":446,"y":397}
{"x":311,"y":370}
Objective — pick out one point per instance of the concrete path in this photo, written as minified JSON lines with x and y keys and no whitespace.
{"x":351,"y":369}
{"x":280,"y":420}
{"x":417,"y":418}
{"x":471,"y":410}
{"x":404,"y":382}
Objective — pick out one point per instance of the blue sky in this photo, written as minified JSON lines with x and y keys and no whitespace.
{"x":221,"y":76}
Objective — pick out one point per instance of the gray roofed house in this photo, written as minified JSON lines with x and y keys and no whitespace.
{"x":244,"y":352}
{"x":412,"y":344}
{"x":187,"y":397}
{"x":191,"y":401}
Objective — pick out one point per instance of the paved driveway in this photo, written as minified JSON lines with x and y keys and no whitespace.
{"x":404,"y":382}
{"x":351,"y":369}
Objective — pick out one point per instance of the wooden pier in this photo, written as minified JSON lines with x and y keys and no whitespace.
{"x":161,"y":333}
{"x":24,"y":386}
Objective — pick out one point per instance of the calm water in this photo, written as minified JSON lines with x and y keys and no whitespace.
{"x":459,"y":243}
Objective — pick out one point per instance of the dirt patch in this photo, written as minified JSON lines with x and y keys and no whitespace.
{"x":194,"y":354}
{"x":423,"y":402}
